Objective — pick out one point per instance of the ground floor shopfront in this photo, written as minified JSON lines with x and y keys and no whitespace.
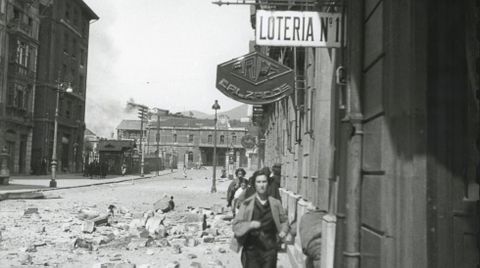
{"x":18,"y":144}
{"x":69,"y":147}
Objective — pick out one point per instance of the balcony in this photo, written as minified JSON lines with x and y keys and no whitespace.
{"x":16,"y":25}
{"x":19,"y":115}
{"x":20,"y":71}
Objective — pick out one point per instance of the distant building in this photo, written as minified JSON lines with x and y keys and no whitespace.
{"x":64,"y":34}
{"x":90,"y":147}
{"x":190,"y":139}
{"x":19,"y":27}
{"x":114,"y":153}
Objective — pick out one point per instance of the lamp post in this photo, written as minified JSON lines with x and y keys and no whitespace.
{"x":215,"y":107}
{"x":68,"y":89}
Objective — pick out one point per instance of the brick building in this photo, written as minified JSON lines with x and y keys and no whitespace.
{"x":62,"y":59}
{"x":190,"y":139}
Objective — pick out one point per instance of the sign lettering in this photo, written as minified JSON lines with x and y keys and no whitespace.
{"x":297,"y":28}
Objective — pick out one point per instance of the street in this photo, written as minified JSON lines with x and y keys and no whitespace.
{"x":54,"y":235}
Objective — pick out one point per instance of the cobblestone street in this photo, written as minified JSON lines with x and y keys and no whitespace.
{"x":55,"y":231}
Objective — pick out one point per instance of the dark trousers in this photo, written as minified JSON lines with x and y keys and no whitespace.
{"x":255,"y":258}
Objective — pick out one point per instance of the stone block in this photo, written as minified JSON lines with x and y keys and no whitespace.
{"x":88,"y":226}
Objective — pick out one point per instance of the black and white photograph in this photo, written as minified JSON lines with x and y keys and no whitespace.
{"x":240,"y":133}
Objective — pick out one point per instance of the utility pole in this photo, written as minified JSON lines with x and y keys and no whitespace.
{"x":142,"y":114}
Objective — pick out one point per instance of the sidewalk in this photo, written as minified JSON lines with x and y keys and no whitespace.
{"x":20,"y":184}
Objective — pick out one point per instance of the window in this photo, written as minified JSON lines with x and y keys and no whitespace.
{"x":68,"y":110}
{"x":190,"y":138}
{"x":26,"y":98}
{"x":73,"y":83}
{"x":210,"y":138}
{"x":65,"y":43}
{"x":174,"y":137}
{"x":222,"y":139}
{"x":16,"y":13}
{"x":23,"y":54}
{"x":19,"y":98}
{"x":81,"y":84}
{"x":64,"y":71}
{"x":10,"y":97}
{"x":82,"y":57}
{"x":234,"y":139}
{"x":67,"y":12}
{"x":84,"y":27}
{"x":73,"y":52}
{"x":2,"y":6}
{"x":79,"y":112}
{"x":75,"y":17}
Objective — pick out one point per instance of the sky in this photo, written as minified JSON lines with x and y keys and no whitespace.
{"x":160,"y":53}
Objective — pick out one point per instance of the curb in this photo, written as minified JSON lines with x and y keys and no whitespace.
{"x":85,"y":185}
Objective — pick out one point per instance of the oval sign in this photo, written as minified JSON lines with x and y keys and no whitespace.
{"x":255,"y":79}
{"x":248,"y":142}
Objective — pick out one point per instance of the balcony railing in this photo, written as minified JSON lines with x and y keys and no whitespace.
{"x":18,"y":113}
{"x":19,"y":26}
{"x":20,"y":70}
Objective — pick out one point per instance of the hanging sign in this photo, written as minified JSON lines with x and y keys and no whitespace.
{"x":248,"y":141}
{"x":298,"y":28}
{"x":254,"y":79}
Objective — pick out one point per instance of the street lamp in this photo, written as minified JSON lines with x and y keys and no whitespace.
{"x":61,"y":87}
{"x":215,"y":107}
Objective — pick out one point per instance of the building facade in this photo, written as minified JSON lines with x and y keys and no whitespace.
{"x":387,"y":153}
{"x":19,"y":37}
{"x":62,"y":61}
{"x":190,"y":140}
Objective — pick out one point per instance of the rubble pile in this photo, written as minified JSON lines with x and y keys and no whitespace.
{"x":110,"y":238}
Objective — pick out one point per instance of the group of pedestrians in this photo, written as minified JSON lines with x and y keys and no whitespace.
{"x":95,"y":169}
{"x":260,"y":223}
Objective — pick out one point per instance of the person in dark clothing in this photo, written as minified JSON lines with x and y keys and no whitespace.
{"x":234,"y":185}
{"x":274,"y":182}
{"x":258,"y":226}
{"x":170,"y":207}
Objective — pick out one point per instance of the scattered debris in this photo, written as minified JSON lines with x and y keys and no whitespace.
{"x":88,"y":226}
{"x":208,"y":239}
{"x":40,"y":229}
{"x":159,"y":232}
{"x":25,"y":259}
{"x":174,"y":264}
{"x":176,"y":249}
{"x":195,"y":265}
{"x":88,"y":214}
{"x":191,"y":256}
{"x":30,"y":211}
{"x":82,"y":243}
